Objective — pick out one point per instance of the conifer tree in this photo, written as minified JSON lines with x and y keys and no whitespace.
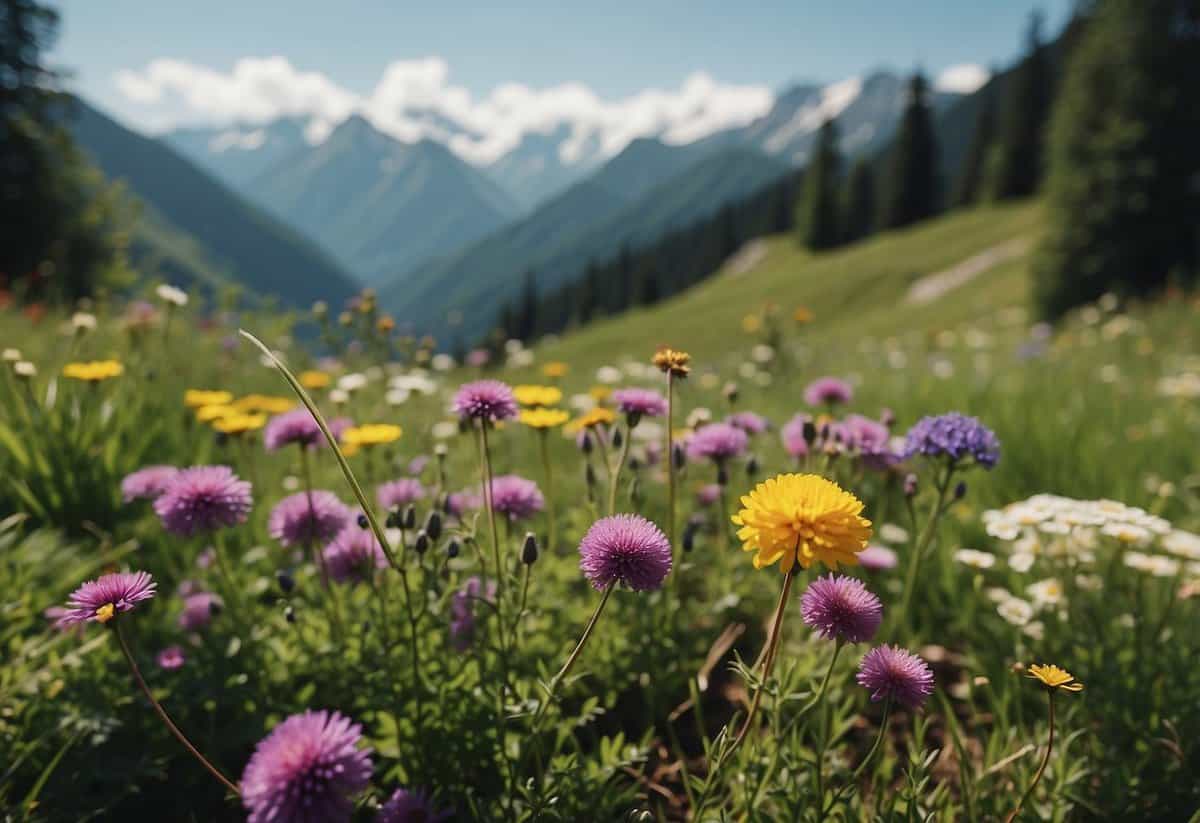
{"x":858,"y":212}
{"x":911,"y":186}
{"x":969,"y":187}
{"x":818,"y":222}
{"x":526,"y":317}
{"x":1019,"y":164}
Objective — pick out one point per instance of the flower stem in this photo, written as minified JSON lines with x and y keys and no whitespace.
{"x":1041,"y":768}
{"x":570,"y":662}
{"x":485,"y":467}
{"x":548,"y":471}
{"x":922,"y":545}
{"x":314,"y":549}
{"x":615,"y":480}
{"x":669,"y":457}
{"x":166,"y":719}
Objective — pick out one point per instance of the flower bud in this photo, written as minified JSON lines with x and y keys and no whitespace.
{"x":960,"y":491}
{"x":453,"y":548}
{"x":393,"y":519}
{"x":433,"y":524}
{"x":617,"y":438}
{"x":810,"y":433}
{"x":678,"y":457}
{"x":730,"y":390}
{"x":286,"y":582}
{"x":529,"y":551}
{"x":752,"y":466}
{"x":722,"y":475}
{"x":363,"y":523}
{"x":910,"y":485}
{"x":589,"y":475}
{"x":289,"y":614}
{"x":585,"y":442}
{"x":410,"y":517}
{"x":421,"y":544}
{"x":887,"y":417}
{"x":633,"y":418}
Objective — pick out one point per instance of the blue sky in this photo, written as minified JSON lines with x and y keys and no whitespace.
{"x":614,"y":49}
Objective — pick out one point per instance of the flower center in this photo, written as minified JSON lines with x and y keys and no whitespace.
{"x":106,"y":612}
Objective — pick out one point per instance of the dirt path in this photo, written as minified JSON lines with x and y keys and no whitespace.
{"x":932,"y":286}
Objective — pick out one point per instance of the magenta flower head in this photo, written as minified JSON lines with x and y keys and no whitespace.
{"x":877,"y":558}
{"x":828,"y":391}
{"x":840,"y":608}
{"x":717,"y":442}
{"x":792,"y":435}
{"x":338,"y":425}
{"x":103,"y":599}
{"x":307,"y":517}
{"x":297,"y":427}
{"x":399,"y":493}
{"x":203,"y":499}
{"x":171,"y":658}
{"x":749,"y":422}
{"x":147,"y":483}
{"x":485,"y":400}
{"x":708,"y":495}
{"x":639,"y":403}
{"x":955,"y":437}
{"x":625,"y":548}
{"x":516,"y":498}
{"x":870,"y":439}
{"x":353,"y":555}
{"x":198,"y":610}
{"x":415,"y":806}
{"x":306,"y":770}
{"x":459,"y":503}
{"x":896,"y":674}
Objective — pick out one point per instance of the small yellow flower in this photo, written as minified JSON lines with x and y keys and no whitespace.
{"x":802,"y":518}
{"x":1052,"y":677}
{"x":543,"y":418}
{"x":599,"y":393}
{"x":240,"y":423}
{"x":196,"y":398}
{"x":596,"y":417}
{"x":386,"y":323}
{"x":672,"y":361}
{"x":106,"y":612}
{"x":207,"y":414}
{"x":555,"y":369}
{"x":751,"y":323}
{"x":264,"y":403}
{"x":372,"y":434}
{"x":94,"y":371}
{"x":802,"y":315}
{"x":313,"y":379}
{"x":537,"y":395}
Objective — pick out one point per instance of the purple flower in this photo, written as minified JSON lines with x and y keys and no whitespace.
{"x":171,"y":658}
{"x":203,"y":499}
{"x":417,"y":464}
{"x":198,"y":610}
{"x":717,"y":441}
{"x":954,"y":436}
{"x":640,"y":402}
{"x":458,"y":503}
{"x":297,"y":426}
{"x":708,"y":495}
{"x":353,"y":554}
{"x":307,"y":517}
{"x":399,"y":493}
{"x":485,"y":400}
{"x":405,"y":806}
{"x":877,"y":558}
{"x":625,"y":548}
{"x":895,"y":673}
{"x":839,"y":607}
{"x":792,"y":434}
{"x":749,"y":422}
{"x":104,"y":598}
{"x":338,"y":425}
{"x":515,"y":497}
{"x":147,"y":483}
{"x":828,"y":391}
{"x":306,"y":770}
{"x":870,"y":438}
{"x":478,"y":358}
{"x":462,"y":610}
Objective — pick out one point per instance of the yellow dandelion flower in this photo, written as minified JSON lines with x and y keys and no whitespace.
{"x":264,"y":403}
{"x":672,"y":361}
{"x":197,"y":398}
{"x":94,"y":371}
{"x":207,"y":414}
{"x":537,"y":395}
{"x":372,"y":434}
{"x":596,"y":417}
{"x":751,"y":323}
{"x":1052,"y":677}
{"x":313,"y":379}
{"x":543,"y":418}
{"x":802,"y":518}
{"x":555,"y":369}
{"x":802,"y":315}
{"x":240,"y":423}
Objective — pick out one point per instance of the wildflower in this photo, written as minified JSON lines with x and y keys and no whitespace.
{"x":1045,"y":593}
{"x":203,"y":499}
{"x":802,"y":315}
{"x":672,"y":361}
{"x":708,"y":495}
{"x":828,"y":391}
{"x":11,"y":356}
{"x":352,"y":382}
{"x":265,"y":403}
{"x":208,"y":414}
{"x":537,"y":395}
{"x":297,"y":427}
{"x":975,"y":559}
{"x":313,"y":379}
{"x":307,"y":517}
{"x":877,"y":558}
{"x":405,"y":806}
{"x":171,"y":295}
{"x":954,"y":436}
{"x":542,"y":418}
{"x":239,"y":423}
{"x":640,"y":403}
{"x":306,"y":769}
{"x":24,"y":370}
{"x":555,"y":369}
{"x":718,"y":442}
{"x":371,"y":434}
{"x":1127,"y":533}
{"x":1015,"y":611}
{"x":196,"y":398}
{"x":625,"y":548}
{"x":870,"y":439}
{"x":458,"y":503}
{"x":598,"y":416}
{"x":353,"y":554}
{"x":802,"y":518}
{"x":841,"y":608}
{"x":171,"y":658}
{"x":462,"y":610}
{"x":147,"y":483}
{"x":897,"y":674}
{"x":792,"y":434}
{"x":94,"y":371}
{"x":515,"y":497}
{"x":399,"y":493}
{"x":1182,"y":544}
{"x":198,"y":610}
{"x":749,"y":422}
{"x":1052,"y":677}
{"x":891,"y":533}
{"x":485,"y":400}
{"x":103,"y":599}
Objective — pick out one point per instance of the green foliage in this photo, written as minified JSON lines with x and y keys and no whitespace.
{"x":969,"y":187}
{"x":859,"y":206}
{"x":911,"y":185}
{"x":818,"y":224}
{"x":1026,"y":110}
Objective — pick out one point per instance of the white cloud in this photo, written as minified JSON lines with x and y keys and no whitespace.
{"x":414,"y":99}
{"x":962,"y":79}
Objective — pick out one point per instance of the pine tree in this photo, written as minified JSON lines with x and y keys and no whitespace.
{"x":818,"y":221}
{"x":1027,"y":100}
{"x":969,"y":187}
{"x":525,"y":321}
{"x":858,"y":213}
{"x":911,"y":193}
{"x":1123,"y":207}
